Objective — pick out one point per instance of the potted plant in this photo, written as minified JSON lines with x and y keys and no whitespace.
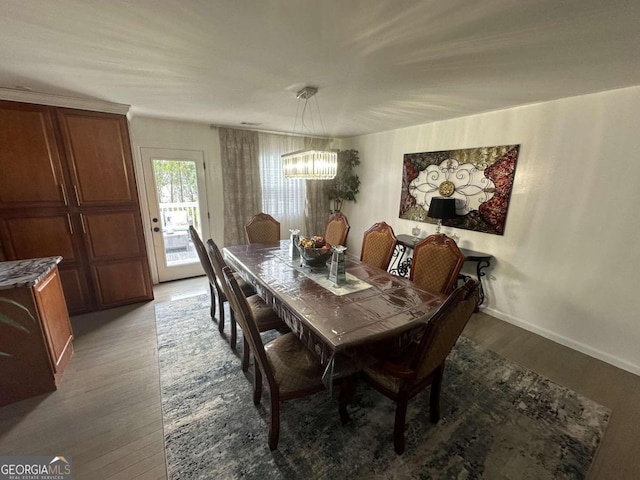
{"x":346,"y":184}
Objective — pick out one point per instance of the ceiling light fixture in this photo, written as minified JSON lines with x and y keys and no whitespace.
{"x":310,"y":163}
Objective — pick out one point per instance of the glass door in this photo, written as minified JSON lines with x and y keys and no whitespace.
{"x":177,"y":200}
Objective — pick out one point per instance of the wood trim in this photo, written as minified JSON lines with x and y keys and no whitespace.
{"x":63,"y":101}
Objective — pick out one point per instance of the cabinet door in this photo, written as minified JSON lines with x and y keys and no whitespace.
{"x":113,"y":234}
{"x":117,"y":256}
{"x":99,"y":155}
{"x":76,"y":290}
{"x":29,"y":161}
{"x":121,"y":281}
{"x":55,"y":319}
{"x":48,"y":235}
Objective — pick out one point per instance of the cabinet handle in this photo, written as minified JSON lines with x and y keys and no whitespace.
{"x":64,"y":194}
{"x":84,"y":228}
{"x":70,"y":224}
{"x":75,"y":190}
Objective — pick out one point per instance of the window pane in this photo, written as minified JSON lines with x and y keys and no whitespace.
{"x":282,"y":198}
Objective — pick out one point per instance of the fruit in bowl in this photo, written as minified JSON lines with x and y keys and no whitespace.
{"x":315,"y":251}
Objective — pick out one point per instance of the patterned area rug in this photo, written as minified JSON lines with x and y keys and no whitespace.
{"x":499,"y":420}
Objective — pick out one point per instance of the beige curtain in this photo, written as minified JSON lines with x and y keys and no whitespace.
{"x":317,"y":204}
{"x":240,"y":181}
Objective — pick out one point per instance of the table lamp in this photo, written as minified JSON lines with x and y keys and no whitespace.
{"x":442,"y":209}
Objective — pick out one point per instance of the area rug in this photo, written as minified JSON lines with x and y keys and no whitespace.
{"x":498,"y":421}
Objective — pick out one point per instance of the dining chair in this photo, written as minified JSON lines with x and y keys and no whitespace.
{"x":208,"y":270}
{"x":215,"y":285}
{"x":337,"y":230}
{"x":436,"y":263}
{"x":422,"y":364}
{"x":262,"y":228}
{"x":378,"y":245}
{"x":291,"y":369}
{"x":265,"y":317}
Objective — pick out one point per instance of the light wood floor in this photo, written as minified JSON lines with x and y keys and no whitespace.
{"x":107,"y":413}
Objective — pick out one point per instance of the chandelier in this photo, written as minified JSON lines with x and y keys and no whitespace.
{"x":310,"y":163}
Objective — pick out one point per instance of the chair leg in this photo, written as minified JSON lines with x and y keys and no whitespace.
{"x":221,"y":310}
{"x":257,"y":385}
{"x":398,"y":426}
{"x":347,"y":391}
{"x":213,"y":302}
{"x":234,"y":330}
{"x":274,"y":426}
{"x":434,"y":397}
{"x":245,"y":354}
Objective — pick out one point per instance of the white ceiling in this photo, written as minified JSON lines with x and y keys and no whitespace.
{"x":379,"y":64}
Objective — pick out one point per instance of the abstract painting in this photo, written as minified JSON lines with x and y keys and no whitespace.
{"x":479,"y":179}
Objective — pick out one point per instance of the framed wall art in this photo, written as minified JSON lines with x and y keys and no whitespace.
{"x":479,"y":179}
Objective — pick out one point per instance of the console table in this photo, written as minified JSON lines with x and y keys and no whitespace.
{"x":401,"y":260}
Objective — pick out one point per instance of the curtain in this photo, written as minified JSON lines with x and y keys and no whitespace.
{"x":317,"y":206}
{"x":282,"y":198}
{"x":240,"y":181}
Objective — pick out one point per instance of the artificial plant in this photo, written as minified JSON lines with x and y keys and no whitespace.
{"x":346,"y":184}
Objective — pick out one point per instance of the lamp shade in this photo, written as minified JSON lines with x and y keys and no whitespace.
{"x":311,"y":164}
{"x":442,"y":208}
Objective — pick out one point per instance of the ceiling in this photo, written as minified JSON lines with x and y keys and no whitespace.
{"x":379,"y":64}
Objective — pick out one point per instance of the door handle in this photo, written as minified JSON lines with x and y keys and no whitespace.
{"x":64,"y":194}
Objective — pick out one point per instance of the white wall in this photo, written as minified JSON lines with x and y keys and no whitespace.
{"x":567,"y":265}
{"x":158,"y":133}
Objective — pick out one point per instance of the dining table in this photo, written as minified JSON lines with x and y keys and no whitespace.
{"x":345,"y":325}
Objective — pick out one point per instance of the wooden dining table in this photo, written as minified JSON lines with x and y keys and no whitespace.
{"x":344,"y":325}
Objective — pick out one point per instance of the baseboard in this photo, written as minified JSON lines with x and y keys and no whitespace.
{"x":567,"y":342}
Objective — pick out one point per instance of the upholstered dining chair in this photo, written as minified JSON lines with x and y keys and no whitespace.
{"x":215,"y":284}
{"x":291,"y":369}
{"x":208,"y":270}
{"x":378,"y":245}
{"x":422,"y":364}
{"x":437,"y":261}
{"x":263,"y":228}
{"x":264,"y":316}
{"x":215,"y":289}
{"x":337,"y":230}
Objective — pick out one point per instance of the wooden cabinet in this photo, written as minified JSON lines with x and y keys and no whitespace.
{"x":99,"y":155}
{"x":34,"y":357}
{"x":31,"y":168}
{"x":68,"y":188}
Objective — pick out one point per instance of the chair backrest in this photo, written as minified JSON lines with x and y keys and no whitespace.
{"x":244,"y":316}
{"x":444,"y":328}
{"x":378,"y":245}
{"x":218,"y":264}
{"x":337,"y":230}
{"x":263,"y":228}
{"x":202,"y":255}
{"x":437,"y":261}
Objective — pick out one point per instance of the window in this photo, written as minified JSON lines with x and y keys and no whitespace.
{"x":282,"y":198}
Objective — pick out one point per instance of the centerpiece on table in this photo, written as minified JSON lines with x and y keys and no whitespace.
{"x":315,"y":251}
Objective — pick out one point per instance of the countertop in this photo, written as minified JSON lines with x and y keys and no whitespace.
{"x":25,"y":273}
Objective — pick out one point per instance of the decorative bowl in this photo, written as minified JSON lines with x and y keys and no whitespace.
{"x":314,"y":257}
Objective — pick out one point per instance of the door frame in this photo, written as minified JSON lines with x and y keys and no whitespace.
{"x":155,"y":242}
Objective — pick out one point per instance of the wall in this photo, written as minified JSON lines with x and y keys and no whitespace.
{"x":567,"y":265}
{"x":158,"y":133}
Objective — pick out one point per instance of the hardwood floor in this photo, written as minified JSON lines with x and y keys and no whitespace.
{"x":107,"y":416}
